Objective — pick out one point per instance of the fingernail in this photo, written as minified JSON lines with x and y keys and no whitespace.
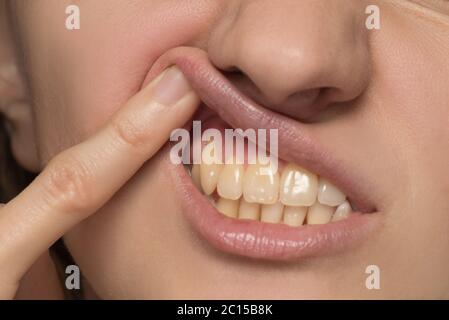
{"x":171,"y":88}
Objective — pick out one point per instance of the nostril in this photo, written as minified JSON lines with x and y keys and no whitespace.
{"x":309,"y":96}
{"x":303,"y":104}
{"x":300,"y":105}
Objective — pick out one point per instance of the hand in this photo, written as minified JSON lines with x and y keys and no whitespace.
{"x":81,"y":179}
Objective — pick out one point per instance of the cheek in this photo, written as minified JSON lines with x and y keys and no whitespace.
{"x":412,"y":108}
{"x":81,"y":77}
{"x":412,"y":105}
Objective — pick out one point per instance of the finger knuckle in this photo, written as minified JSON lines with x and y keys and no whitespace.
{"x":68,"y":184}
{"x":130,"y":133}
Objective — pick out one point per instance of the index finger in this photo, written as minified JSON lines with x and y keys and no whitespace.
{"x":81,"y":179}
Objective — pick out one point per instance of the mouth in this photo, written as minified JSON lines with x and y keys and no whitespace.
{"x":313,"y":204}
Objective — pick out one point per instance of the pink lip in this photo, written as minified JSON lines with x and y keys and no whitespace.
{"x":252,"y":238}
{"x":255,"y":239}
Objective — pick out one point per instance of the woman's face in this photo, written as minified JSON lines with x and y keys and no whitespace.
{"x":385,"y":116}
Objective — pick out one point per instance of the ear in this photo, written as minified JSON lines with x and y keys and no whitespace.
{"x":15,"y":104}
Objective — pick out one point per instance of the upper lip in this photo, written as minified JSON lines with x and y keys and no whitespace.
{"x":296,"y":143}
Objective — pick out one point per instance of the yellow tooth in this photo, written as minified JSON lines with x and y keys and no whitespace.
{"x":209,"y":177}
{"x":294,"y":216}
{"x":196,"y":175}
{"x":259,"y":187}
{"x":319,"y":214}
{"x":329,"y":194}
{"x":228,"y":207}
{"x":230,"y":182}
{"x":299,"y":187}
{"x":210,"y":169}
{"x":272,"y":213}
{"x":342,"y":211}
{"x":249,"y":210}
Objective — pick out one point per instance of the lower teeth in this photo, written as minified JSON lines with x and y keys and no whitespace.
{"x":293,"y":216}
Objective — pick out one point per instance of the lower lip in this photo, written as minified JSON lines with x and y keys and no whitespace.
{"x":256,"y":239}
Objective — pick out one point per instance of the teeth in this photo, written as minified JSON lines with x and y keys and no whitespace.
{"x":294,"y":216}
{"x":258,"y":187}
{"x":210,"y":169}
{"x":209,"y":177}
{"x":329,"y":194}
{"x":319,"y":214}
{"x":299,"y":187}
{"x":342,"y":211}
{"x":196,"y":175}
{"x":272,"y":213}
{"x":228,"y":207}
{"x":294,"y":198}
{"x":249,"y":210}
{"x":230,"y":182}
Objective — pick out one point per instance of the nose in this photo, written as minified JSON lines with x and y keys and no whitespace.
{"x":295,"y":57}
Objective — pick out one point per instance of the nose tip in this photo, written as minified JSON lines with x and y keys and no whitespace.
{"x":296,"y":59}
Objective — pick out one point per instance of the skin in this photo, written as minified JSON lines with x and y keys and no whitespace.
{"x":390,"y":124}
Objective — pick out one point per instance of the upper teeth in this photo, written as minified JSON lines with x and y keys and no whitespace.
{"x":294,"y":196}
{"x":299,"y":187}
